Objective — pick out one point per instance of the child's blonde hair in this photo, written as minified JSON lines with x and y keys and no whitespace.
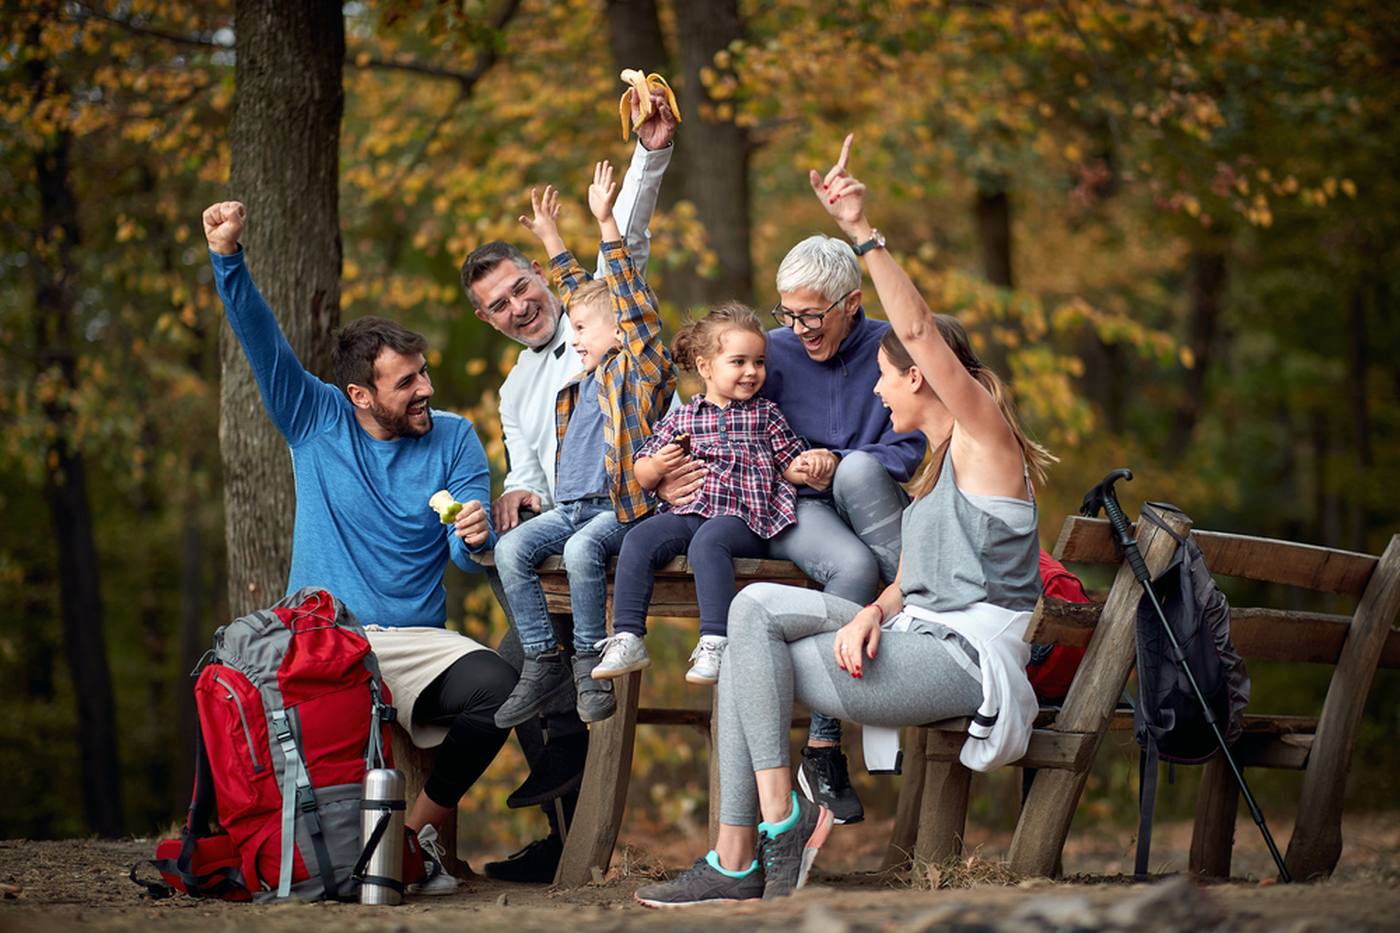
{"x":701,"y":339}
{"x":590,"y":296}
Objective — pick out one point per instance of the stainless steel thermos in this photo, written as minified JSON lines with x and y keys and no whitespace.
{"x":383,"y":801}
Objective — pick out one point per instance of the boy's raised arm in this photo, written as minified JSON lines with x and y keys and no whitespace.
{"x":637,"y":316}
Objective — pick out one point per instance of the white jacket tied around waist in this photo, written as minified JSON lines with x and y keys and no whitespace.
{"x":1001,"y":728}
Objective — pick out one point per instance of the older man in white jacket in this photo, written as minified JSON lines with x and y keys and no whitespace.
{"x":511,"y":293}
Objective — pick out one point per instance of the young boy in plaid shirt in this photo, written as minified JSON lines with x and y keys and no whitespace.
{"x":603,"y":416}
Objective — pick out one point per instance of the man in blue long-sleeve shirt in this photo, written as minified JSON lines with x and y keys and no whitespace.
{"x":367,"y":455}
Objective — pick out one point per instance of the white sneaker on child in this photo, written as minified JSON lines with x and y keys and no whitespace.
{"x":704,"y":660}
{"x":623,"y":653}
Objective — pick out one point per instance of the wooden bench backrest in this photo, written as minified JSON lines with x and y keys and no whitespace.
{"x":1258,"y":633}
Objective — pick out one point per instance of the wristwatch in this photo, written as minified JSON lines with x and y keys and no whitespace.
{"x":876,"y":241}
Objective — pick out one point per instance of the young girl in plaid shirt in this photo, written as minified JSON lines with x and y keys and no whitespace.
{"x":753,"y":459}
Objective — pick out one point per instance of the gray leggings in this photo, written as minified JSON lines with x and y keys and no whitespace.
{"x":780,"y":649}
{"x":847,"y":543}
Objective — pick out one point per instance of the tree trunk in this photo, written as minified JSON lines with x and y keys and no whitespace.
{"x":636,"y":40}
{"x":1357,"y":378}
{"x":993,"y":212}
{"x":285,"y":151}
{"x":65,"y":474}
{"x":717,"y":163}
{"x":1207,"y":293}
{"x":194,"y":630}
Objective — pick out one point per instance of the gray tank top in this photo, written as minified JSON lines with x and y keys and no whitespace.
{"x":960,"y":549}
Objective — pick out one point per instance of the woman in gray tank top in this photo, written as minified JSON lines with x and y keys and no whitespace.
{"x":941,"y":641}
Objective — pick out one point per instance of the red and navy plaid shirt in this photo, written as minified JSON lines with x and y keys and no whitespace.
{"x":746,"y":446}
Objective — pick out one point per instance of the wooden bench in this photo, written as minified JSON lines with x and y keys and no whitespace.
{"x":590,"y":840}
{"x":933,"y":804}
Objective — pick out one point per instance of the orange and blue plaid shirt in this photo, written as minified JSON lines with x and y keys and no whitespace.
{"x":635,"y":381}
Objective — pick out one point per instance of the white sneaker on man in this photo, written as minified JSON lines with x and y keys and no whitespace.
{"x":623,"y":653}
{"x":705,"y":659}
{"x":439,"y":880}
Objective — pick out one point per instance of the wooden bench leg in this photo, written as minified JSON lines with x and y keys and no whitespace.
{"x":603,"y":794}
{"x":900,"y":852}
{"x":1316,"y":844}
{"x":1044,"y":823}
{"x":943,"y":816}
{"x":1217,"y":805}
{"x":415,"y":763}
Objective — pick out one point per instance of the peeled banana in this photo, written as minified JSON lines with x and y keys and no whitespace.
{"x":446,"y":507}
{"x":643,"y":84}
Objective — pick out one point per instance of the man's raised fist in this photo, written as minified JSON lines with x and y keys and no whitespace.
{"x":223,"y":225}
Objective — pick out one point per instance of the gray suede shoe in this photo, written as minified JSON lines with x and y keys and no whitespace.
{"x":540,"y":680}
{"x":595,"y":697}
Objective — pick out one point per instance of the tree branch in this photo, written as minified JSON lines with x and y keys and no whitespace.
{"x":465,"y":80}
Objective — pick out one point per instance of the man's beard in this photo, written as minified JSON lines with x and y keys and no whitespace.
{"x":401,"y":424}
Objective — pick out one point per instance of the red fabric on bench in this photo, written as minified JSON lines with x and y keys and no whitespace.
{"x":1051,"y":678}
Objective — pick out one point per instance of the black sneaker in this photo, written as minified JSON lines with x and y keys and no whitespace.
{"x":595,"y":697}
{"x":540,"y":679}
{"x":558,"y":771}
{"x":534,"y":864}
{"x":701,"y":884}
{"x":823,"y":777}
{"x":787,"y":856}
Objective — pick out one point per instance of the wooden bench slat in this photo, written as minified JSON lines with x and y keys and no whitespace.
{"x":1267,"y":560}
{"x":1267,"y":741}
{"x":1261,"y":634}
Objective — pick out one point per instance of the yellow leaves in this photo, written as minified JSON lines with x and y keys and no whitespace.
{"x":128,"y":229}
{"x":1349,"y":187}
{"x":475,"y":366}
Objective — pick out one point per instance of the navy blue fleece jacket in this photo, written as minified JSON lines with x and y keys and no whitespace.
{"x":832,"y":403}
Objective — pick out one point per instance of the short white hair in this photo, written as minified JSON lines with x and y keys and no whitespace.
{"x":824,"y":264}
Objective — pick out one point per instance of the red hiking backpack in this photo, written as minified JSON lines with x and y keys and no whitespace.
{"x":1051,"y":668}
{"x":292,"y":712}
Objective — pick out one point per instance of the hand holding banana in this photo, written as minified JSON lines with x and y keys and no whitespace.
{"x":640,"y":93}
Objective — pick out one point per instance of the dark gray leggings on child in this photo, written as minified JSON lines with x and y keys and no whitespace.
{"x":710,"y":544}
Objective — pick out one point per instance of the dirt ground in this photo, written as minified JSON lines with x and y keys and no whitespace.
{"x":83,"y":885}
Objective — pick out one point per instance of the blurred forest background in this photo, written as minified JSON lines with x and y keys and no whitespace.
{"x":1172,"y":224}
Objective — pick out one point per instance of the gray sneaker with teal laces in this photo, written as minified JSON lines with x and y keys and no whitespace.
{"x":786,"y":850}
{"x":703,"y":883}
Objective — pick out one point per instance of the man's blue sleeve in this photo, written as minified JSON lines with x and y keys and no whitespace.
{"x":298,"y":402}
{"x":470,"y":480}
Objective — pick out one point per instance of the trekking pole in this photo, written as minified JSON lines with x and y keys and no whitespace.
{"x":1128,"y":544}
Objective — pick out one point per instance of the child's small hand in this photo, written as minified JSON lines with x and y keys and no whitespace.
{"x":670,"y":458}
{"x":820,"y":466}
{"x":544,"y":224}
{"x":602,"y":191}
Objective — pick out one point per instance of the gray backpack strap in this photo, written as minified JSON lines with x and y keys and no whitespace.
{"x":293,"y":775}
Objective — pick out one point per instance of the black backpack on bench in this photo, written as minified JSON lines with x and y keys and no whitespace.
{"x":1168,"y":721}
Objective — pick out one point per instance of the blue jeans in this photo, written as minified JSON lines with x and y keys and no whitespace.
{"x":587,"y":533}
{"x":847,"y":543}
{"x":711,"y":544}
